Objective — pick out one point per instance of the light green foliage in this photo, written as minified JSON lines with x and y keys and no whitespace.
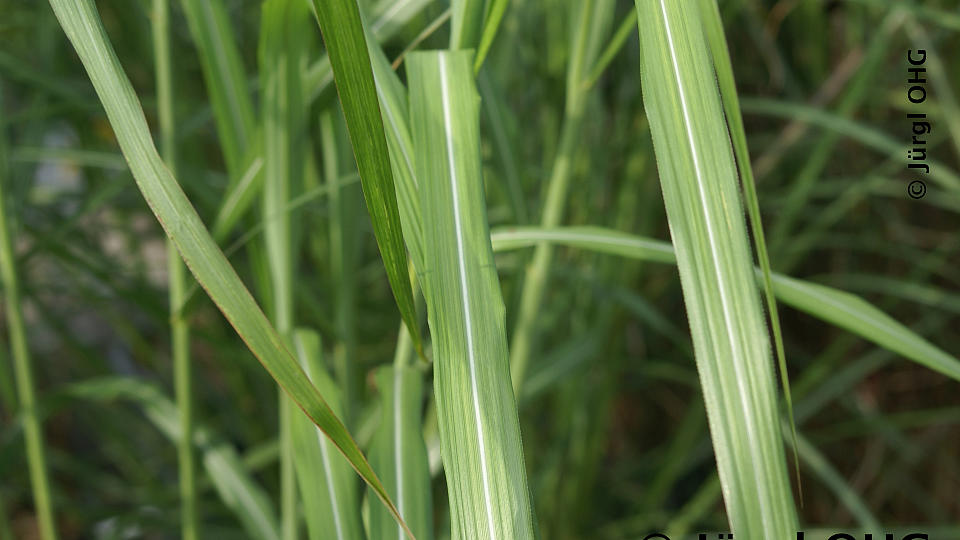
{"x":713,"y":28}
{"x":589,"y":23}
{"x":466,"y":23}
{"x":327,"y":483}
{"x":701,"y":194}
{"x":479,"y":429}
{"x":285,"y":24}
{"x":225,"y":78}
{"x":398,"y":454}
{"x":182,"y":224}
{"x":350,"y":156}
{"x":840,"y":308}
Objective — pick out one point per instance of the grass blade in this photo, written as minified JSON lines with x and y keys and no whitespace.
{"x":398,"y":452}
{"x":343,"y":35}
{"x":226,"y":81}
{"x":713,"y":26}
{"x":233,"y":109}
{"x":590,"y":21}
{"x":184,"y":227}
{"x":479,"y":427}
{"x":858,"y":316}
{"x":490,"y":27}
{"x":330,"y":498}
{"x":284,"y":27}
{"x":834,"y":306}
{"x":179,"y":327}
{"x":466,"y":23}
{"x":22,"y":368}
{"x":699,"y":182}
{"x":393,"y":105}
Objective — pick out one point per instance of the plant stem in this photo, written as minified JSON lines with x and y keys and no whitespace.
{"x":179,"y":327}
{"x":32,"y":432}
{"x":282,"y":49}
{"x":592,"y":16}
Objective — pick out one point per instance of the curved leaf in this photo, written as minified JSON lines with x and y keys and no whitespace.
{"x":82,"y":25}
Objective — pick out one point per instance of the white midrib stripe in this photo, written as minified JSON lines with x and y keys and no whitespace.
{"x":461,"y":259}
{"x":747,"y":410}
{"x":397,"y":447}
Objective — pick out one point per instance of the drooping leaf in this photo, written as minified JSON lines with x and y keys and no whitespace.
{"x":843,"y":309}
{"x":81,"y":23}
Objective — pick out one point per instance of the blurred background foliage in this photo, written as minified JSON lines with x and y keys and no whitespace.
{"x":613,"y":425}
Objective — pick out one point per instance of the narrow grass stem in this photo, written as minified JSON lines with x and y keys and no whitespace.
{"x":177,"y":280}
{"x":592,"y":18}
{"x":32,"y":430}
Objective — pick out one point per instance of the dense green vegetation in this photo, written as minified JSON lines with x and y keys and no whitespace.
{"x":476,"y":269}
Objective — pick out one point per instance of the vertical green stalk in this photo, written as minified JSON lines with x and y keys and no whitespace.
{"x":284,"y":28}
{"x":179,"y":328}
{"x":226,"y":81}
{"x":32,"y":431}
{"x":593,"y":18}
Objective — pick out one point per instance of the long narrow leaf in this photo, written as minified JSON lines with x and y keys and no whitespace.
{"x":466,"y":24}
{"x":731,"y":346}
{"x":837,"y":307}
{"x":399,"y":455}
{"x":343,"y":35}
{"x":393,"y":104}
{"x":225,"y":78}
{"x":330,"y":498}
{"x":82,"y":25}
{"x":479,"y":426}
{"x":713,"y":25}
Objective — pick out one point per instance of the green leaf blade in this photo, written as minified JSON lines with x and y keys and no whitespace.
{"x":699,"y":183}
{"x":81,"y":23}
{"x":343,"y":35}
{"x":399,"y":455}
{"x":326,"y":481}
{"x":479,"y":426}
